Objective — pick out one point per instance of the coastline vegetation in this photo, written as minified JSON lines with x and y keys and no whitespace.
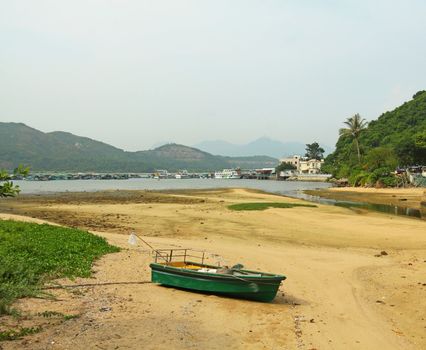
{"x":7,"y":188}
{"x":32,"y":254}
{"x":267,"y":205}
{"x":369,"y":155}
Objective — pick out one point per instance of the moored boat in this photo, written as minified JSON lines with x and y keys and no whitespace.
{"x":234,"y":282}
{"x":183,"y":174}
{"x":228,"y":174}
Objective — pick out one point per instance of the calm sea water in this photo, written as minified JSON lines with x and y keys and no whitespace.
{"x":279,"y":187}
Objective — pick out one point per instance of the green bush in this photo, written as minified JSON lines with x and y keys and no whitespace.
{"x":378,"y":174}
{"x":389,"y":181}
{"x":358,"y":178}
{"x":344,"y":171}
{"x":380,"y":157}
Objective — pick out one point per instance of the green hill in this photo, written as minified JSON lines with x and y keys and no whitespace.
{"x":62,"y":151}
{"x":396,"y":138}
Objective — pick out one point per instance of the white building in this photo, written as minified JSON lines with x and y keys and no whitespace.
{"x":295,"y":161}
{"x":304,"y":165}
{"x":311,"y":166}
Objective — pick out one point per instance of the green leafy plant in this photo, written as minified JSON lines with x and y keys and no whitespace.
{"x":358,"y":178}
{"x":31,"y":254}
{"x":7,"y":188}
{"x":13,"y":334}
{"x":50,"y":314}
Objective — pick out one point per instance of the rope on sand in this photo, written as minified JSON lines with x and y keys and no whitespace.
{"x":63,"y":286}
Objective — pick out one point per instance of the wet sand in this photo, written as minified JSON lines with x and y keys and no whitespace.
{"x":341,"y":293}
{"x":402,"y":197}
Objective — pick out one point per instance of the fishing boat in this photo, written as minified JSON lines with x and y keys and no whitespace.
{"x":173,"y":267}
{"x":183,"y":174}
{"x":228,"y":174}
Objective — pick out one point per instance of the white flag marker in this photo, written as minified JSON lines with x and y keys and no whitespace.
{"x":132,"y":239}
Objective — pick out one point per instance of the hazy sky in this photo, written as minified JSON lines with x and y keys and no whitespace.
{"x":134,"y":73}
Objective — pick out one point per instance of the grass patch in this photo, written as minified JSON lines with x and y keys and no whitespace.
{"x":31,"y":254}
{"x":50,"y":314}
{"x":70,"y":317}
{"x":13,"y":334}
{"x":263,"y":206}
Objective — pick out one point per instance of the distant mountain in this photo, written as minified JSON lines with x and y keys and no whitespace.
{"x":62,"y":151}
{"x":161,"y":143}
{"x":261,"y":146}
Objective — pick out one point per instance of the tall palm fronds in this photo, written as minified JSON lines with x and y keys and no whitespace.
{"x":355,"y":125}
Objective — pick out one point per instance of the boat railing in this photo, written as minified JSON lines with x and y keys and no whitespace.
{"x":181,"y":254}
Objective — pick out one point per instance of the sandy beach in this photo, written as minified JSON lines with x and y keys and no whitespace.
{"x":341,"y":292}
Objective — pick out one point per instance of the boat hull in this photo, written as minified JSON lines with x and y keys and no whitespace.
{"x":260,"y":288}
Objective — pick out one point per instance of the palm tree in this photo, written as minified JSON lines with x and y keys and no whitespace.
{"x":355,"y":125}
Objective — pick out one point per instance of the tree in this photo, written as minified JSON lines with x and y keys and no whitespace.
{"x":7,"y":188}
{"x":356,"y":125}
{"x":418,"y":93}
{"x":284,"y":166}
{"x":380,"y":157}
{"x":314,"y":151}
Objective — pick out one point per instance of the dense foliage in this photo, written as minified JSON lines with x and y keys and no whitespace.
{"x":395,"y":139}
{"x":31,"y":254}
{"x":61,"y":151}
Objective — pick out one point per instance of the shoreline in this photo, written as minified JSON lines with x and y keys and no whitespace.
{"x":402,"y":197}
{"x":370,"y":305}
{"x":394,"y":201}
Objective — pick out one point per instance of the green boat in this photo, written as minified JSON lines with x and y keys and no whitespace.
{"x":234,"y":282}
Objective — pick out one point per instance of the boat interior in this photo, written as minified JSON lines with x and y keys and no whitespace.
{"x":179,"y":258}
{"x":184,"y":265}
